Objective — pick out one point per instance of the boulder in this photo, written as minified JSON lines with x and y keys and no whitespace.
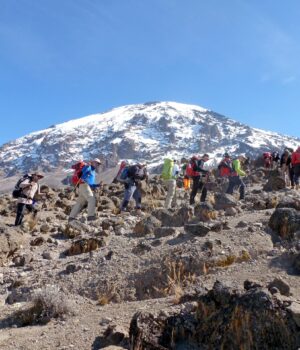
{"x":223,"y":319}
{"x":44,"y":228}
{"x":198,"y":229}
{"x":289,"y":203}
{"x":10,"y":242}
{"x":294,"y":309}
{"x":146,"y":226}
{"x":85,"y":245}
{"x":281,"y":285}
{"x":106,"y":203}
{"x":285,"y":221}
{"x":174,"y":218}
{"x":224,"y":201}
{"x":275,"y":183}
{"x":205,"y":212}
{"x":37,"y":241}
{"x":160,"y":232}
{"x":231,"y":211}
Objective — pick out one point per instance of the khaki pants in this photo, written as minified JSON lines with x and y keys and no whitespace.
{"x":171,"y":185}
{"x":85,"y":195}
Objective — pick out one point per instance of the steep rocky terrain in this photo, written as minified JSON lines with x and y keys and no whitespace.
{"x":220,"y":275}
{"x":147,"y":132}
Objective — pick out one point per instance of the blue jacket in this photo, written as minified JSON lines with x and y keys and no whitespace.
{"x":89,"y":175}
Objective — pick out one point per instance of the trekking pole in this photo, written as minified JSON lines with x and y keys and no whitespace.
{"x":74,"y":190}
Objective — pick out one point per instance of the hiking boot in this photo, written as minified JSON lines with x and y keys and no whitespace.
{"x":91,"y":218}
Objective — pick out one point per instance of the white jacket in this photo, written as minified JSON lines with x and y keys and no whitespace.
{"x":29,"y":192}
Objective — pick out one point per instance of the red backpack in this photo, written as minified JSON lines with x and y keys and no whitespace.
{"x":189,"y":171}
{"x":267,"y":155}
{"x":123,"y":164}
{"x":77,"y":173}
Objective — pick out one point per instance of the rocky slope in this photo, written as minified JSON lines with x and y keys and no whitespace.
{"x":147,"y":132}
{"x":223,"y":274}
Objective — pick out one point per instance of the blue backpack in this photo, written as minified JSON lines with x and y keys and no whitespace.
{"x":124,"y":173}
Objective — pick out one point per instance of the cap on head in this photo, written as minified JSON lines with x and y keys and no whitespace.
{"x":97,"y":160}
{"x":39,"y":175}
{"x":226,"y":155}
{"x":205,"y":155}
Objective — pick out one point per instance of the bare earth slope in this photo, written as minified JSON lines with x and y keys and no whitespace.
{"x":94,"y":278}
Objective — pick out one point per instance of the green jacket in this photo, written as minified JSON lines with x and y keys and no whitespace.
{"x":237,"y":167}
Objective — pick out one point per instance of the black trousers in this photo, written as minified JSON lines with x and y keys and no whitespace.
{"x":198,"y":185}
{"x":20,"y":212}
{"x":292,"y":175}
{"x":236,"y":181}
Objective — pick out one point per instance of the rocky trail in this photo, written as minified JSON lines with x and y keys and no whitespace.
{"x":219,"y":275}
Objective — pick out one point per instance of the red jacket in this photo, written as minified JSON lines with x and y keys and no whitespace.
{"x":296,"y":157}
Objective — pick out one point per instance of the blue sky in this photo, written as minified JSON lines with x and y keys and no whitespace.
{"x":64,"y":59}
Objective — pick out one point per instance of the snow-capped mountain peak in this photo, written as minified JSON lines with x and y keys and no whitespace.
{"x":148,"y":132}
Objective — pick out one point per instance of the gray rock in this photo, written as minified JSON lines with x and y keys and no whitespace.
{"x":199,"y":229}
{"x":224,"y":201}
{"x":285,"y":221}
{"x":146,"y":226}
{"x":281,"y":285}
{"x":44,"y":228}
{"x":164,"y":231}
{"x":231,"y":211}
{"x":242,"y":224}
{"x":294,"y":308}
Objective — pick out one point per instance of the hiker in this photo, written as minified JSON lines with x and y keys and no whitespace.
{"x":198,"y":174}
{"x":28,"y":189}
{"x":267,"y":160}
{"x":275,"y":159}
{"x":225,"y":166}
{"x":131,"y":176}
{"x":287,"y":168}
{"x":86,"y":184}
{"x":224,"y":171}
{"x":296,"y":166}
{"x":235,"y":177}
{"x":170,"y":173}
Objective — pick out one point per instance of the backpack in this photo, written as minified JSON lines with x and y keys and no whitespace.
{"x":124,"y":173}
{"x":122,"y":166}
{"x":267,"y":155}
{"x":167,"y":170}
{"x":17,"y":192}
{"x":275,"y":155}
{"x":77,"y":173}
{"x":224,"y":171}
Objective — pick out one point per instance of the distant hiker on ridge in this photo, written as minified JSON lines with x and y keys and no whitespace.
{"x":28,"y":187}
{"x":86,"y":183}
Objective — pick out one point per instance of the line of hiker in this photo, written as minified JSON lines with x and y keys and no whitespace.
{"x":193,"y":173}
{"x":288,"y":164}
{"x":197,"y":176}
